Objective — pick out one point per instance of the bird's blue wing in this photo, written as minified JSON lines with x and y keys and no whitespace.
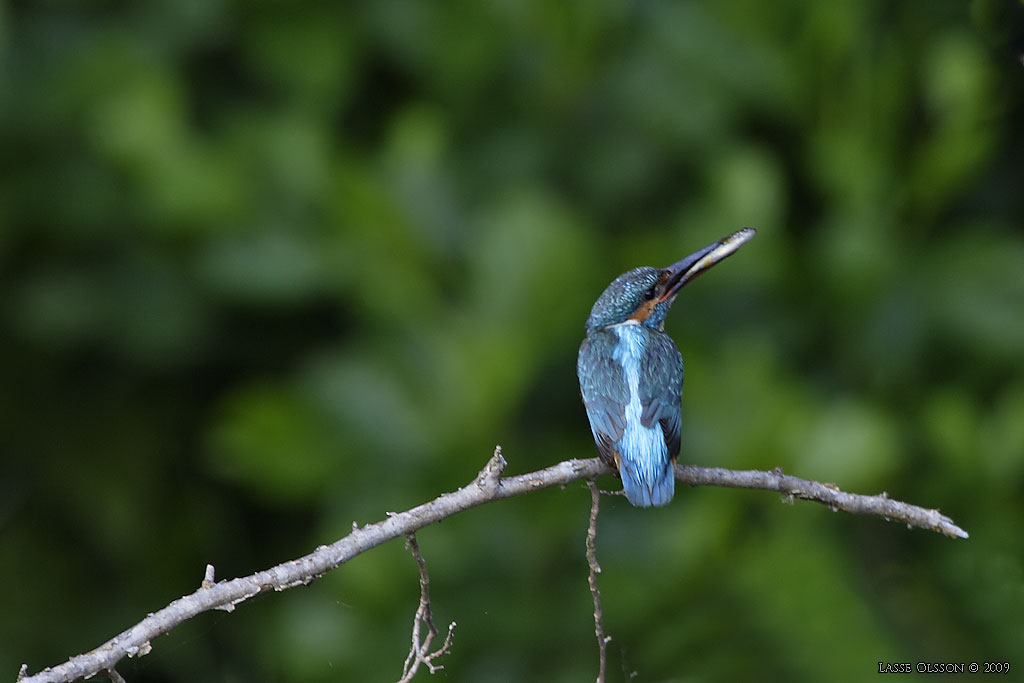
{"x":604,"y":391}
{"x":661,"y":387}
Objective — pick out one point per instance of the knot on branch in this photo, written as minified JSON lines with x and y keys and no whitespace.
{"x":489,"y":478}
{"x":209,"y":577}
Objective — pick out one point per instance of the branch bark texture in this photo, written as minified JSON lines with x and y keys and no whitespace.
{"x":488,"y":486}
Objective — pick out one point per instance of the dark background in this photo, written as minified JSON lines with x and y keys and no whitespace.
{"x":269,"y":268}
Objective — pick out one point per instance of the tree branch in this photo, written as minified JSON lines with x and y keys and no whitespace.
{"x":488,"y":486}
{"x":595,"y":569}
{"x":827,"y":494}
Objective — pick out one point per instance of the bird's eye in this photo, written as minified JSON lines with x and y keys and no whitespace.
{"x":649,"y":294}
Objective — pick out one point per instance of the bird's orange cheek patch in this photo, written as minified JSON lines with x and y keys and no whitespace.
{"x":646,"y":308}
{"x":644,"y":312}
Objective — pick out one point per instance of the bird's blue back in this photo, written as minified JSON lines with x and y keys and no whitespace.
{"x":631,"y":378}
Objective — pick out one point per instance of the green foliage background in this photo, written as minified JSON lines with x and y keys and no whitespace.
{"x":269,"y":268}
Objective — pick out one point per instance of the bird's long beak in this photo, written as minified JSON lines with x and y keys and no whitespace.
{"x":696,"y":263}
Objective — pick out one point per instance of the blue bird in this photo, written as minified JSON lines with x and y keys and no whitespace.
{"x":631,"y":373}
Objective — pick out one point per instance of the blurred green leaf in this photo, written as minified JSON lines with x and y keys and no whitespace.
{"x":267,"y":440}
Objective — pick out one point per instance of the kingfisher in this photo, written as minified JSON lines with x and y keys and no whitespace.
{"x":631,"y":373}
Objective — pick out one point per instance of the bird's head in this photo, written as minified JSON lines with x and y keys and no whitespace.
{"x":643,"y":295}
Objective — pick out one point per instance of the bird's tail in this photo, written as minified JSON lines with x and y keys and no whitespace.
{"x":646,"y":483}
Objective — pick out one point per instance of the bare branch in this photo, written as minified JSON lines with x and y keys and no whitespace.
{"x":827,"y":494}
{"x":595,"y":569}
{"x":487,"y":487}
{"x":420,"y":652}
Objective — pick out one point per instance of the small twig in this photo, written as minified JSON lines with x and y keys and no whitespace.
{"x":595,"y":569}
{"x":115,"y":677}
{"x":420,"y":652}
{"x":209,"y":577}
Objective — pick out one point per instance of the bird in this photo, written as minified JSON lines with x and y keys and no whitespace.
{"x":631,"y":373}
